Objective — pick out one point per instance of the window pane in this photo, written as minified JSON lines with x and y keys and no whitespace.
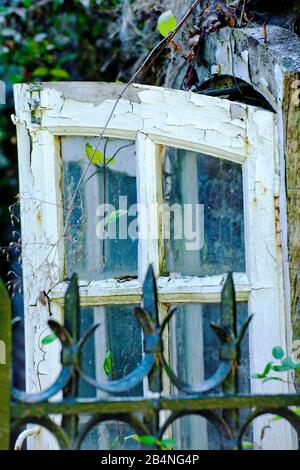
{"x":194,"y":356}
{"x":98,"y":248}
{"x":117,"y":338}
{"x":208,"y":237}
{"x":110,"y":435}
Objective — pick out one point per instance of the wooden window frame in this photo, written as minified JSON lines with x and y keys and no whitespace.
{"x":153,"y":117}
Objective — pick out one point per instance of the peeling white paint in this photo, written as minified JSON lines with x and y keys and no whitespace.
{"x":154,"y":117}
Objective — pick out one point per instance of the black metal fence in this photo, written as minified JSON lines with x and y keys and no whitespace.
{"x":17,"y":408}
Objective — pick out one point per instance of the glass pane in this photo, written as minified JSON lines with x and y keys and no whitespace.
{"x":118,"y":338}
{"x":194,"y":353}
{"x":97,"y":244}
{"x":205,"y":197}
{"x":110,"y":435}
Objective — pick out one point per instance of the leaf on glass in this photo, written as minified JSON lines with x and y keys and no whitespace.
{"x":98,"y":158}
{"x":135,"y":437}
{"x":108,"y":363}
{"x":115,"y":443}
{"x":166,"y":23}
{"x":115,"y":215}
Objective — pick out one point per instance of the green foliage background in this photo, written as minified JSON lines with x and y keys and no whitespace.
{"x":54,"y":40}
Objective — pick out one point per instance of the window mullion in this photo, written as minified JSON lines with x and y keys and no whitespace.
{"x":149,"y":188}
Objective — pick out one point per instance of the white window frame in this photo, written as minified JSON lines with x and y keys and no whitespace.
{"x":153,"y":117}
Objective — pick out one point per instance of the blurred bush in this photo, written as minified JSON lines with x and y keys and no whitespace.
{"x":54,"y":40}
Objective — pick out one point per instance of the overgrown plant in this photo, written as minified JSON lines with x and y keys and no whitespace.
{"x":282,"y":364}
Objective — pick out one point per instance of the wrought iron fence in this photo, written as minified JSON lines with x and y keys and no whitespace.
{"x":18,"y":408}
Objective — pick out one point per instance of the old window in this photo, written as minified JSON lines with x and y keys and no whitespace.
{"x":202,"y":175}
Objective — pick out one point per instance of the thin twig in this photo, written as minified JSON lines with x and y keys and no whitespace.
{"x":242,"y":14}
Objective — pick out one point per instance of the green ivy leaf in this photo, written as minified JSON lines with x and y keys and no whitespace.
{"x":115,"y":215}
{"x":277,"y":352}
{"x":281,"y":368}
{"x":135,"y":437}
{"x":49,"y":339}
{"x":276,"y":418}
{"x":98,"y":158}
{"x":288,"y":362}
{"x":60,"y":73}
{"x":167,"y":444}
{"x":166,"y":23}
{"x":108,"y":363}
{"x":145,"y":440}
{"x":115,"y":443}
{"x":257,"y":376}
{"x":267,"y":369}
{"x":247,"y":445}
{"x":296,"y":411}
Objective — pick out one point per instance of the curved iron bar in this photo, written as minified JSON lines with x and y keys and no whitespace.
{"x":127,"y":418}
{"x":152,"y":362}
{"x":229,"y":352}
{"x":47,"y":423}
{"x":214,"y":381}
{"x":285,"y":413}
{"x":64,"y":375}
{"x":127,"y":382}
{"x":207,"y":385}
{"x":152,"y":345}
{"x":220,"y":424}
{"x":61,"y":381}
